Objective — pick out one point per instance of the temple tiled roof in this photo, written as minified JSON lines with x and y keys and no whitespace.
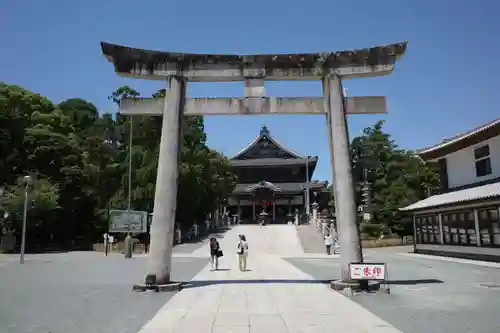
{"x":285,"y":187}
{"x":272,"y":161}
{"x":263,"y":184}
{"x":260,"y":142}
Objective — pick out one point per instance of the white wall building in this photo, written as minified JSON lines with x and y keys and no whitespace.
{"x":463,"y":220}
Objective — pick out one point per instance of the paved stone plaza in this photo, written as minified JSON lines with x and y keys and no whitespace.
{"x":429,"y":294}
{"x":80,"y":292}
{"x":283,"y":291}
{"x":273,"y":296}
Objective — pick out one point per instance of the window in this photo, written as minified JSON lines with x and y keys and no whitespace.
{"x":427,"y":229}
{"x":483,"y":161}
{"x":446,"y":228}
{"x":418,"y":230}
{"x":459,"y":228}
{"x":489,"y":227}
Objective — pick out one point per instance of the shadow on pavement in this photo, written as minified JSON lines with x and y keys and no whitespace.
{"x":415,"y":282}
{"x":203,"y":283}
{"x":216,"y":233}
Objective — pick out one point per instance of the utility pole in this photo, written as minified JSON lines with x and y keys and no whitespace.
{"x":27,"y":183}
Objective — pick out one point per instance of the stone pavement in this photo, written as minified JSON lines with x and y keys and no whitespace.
{"x":81,"y":292}
{"x":428,"y":293}
{"x":272,"y":296}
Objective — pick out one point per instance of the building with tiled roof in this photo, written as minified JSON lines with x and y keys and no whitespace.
{"x":273,"y":179}
{"x":463,"y":219}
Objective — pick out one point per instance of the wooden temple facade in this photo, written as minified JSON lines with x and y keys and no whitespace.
{"x":272,"y":179}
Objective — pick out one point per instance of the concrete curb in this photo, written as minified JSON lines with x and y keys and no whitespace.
{"x":451,"y":259}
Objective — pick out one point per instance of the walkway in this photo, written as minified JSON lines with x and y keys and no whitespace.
{"x":273,"y":296}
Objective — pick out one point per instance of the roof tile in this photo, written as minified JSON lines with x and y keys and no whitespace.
{"x":470,"y":194}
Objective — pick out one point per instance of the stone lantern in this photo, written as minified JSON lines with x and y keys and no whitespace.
{"x":315,"y":207}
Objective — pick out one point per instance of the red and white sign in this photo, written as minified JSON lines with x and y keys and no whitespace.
{"x":367,"y":271}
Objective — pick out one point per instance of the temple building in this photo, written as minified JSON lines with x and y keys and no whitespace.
{"x":273,"y":179}
{"x":463,"y":219}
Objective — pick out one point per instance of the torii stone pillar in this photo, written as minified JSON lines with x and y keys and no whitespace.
{"x":162,"y":226}
{"x":345,"y":202}
{"x":254,"y":70}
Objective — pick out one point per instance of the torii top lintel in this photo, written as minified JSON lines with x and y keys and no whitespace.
{"x":156,"y":65}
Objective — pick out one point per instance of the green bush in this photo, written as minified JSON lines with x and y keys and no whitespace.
{"x":372,"y":230}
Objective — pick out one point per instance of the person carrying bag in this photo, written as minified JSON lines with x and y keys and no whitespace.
{"x":242,"y":253}
{"x":215,"y":254}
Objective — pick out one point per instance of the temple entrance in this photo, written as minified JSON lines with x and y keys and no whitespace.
{"x":278,"y":200}
{"x":265,"y":163}
{"x":177,"y":69}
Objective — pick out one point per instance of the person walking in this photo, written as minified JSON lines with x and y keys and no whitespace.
{"x":328,"y":243}
{"x":336,"y":244}
{"x":215,"y":253}
{"x":242,"y":253}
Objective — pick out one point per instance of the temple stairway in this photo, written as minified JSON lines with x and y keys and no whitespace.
{"x":311,"y":239}
{"x":280,"y":240}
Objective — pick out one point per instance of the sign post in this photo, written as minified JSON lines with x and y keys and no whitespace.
{"x":370,"y":272}
{"x":106,"y":244}
{"x":111,"y":240}
{"x":133,"y":222}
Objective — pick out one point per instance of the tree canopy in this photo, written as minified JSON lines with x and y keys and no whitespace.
{"x":79,"y":158}
{"x":397,"y":176}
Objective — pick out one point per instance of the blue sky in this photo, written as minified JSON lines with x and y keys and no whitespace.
{"x":447,"y":82}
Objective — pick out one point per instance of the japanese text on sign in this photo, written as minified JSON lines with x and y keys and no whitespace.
{"x":367,"y":271}
{"x":121,"y":221}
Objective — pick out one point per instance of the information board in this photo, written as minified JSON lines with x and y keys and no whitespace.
{"x":120,"y":221}
{"x":367,"y":271}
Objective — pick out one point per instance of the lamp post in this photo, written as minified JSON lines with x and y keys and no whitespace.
{"x":315,"y":207}
{"x":27,"y":183}
{"x":128,"y":239}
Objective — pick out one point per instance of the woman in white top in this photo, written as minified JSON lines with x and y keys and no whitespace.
{"x":242,"y":253}
{"x":328,"y":243}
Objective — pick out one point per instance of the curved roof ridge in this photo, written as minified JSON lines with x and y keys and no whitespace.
{"x":239,"y":153}
{"x":460,"y":137}
{"x":264,"y":132}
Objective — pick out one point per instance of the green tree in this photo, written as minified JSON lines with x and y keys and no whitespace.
{"x":398,"y":177}
{"x":68,"y":145}
{"x":205,"y":177}
{"x":43,"y":199}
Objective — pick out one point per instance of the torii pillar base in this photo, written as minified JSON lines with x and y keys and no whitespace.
{"x":355,"y":286}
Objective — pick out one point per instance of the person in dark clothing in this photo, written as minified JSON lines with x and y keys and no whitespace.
{"x":215,"y":253}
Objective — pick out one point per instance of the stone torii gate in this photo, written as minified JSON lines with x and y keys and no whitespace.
{"x":179,"y":68}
